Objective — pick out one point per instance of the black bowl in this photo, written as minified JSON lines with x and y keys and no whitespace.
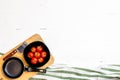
{"x":35,"y":44}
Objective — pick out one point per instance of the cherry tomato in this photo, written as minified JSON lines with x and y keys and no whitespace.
{"x":43,"y":54}
{"x":34,"y":60}
{"x":39,"y":48}
{"x":30,"y":54}
{"x":33,"y":49}
{"x":40,"y":60}
{"x":37,"y":54}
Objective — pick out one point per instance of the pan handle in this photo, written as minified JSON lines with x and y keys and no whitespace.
{"x":34,"y":69}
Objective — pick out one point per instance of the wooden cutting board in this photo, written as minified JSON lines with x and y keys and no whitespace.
{"x":15,"y":53}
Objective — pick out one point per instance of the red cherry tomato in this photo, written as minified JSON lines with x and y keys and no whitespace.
{"x":33,"y":49}
{"x":30,"y":54}
{"x":40,"y":60}
{"x":39,"y":48}
{"x":37,"y":54}
{"x":43,"y":54}
{"x":34,"y":60}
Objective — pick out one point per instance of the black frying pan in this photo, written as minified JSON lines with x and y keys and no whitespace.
{"x":35,"y":44}
{"x":13,"y":68}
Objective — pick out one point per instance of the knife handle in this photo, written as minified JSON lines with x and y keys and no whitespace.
{"x":10,"y":54}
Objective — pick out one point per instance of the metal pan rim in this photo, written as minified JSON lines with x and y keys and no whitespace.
{"x":5,"y":70}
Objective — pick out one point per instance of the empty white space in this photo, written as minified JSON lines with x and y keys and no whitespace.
{"x":77,"y":32}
